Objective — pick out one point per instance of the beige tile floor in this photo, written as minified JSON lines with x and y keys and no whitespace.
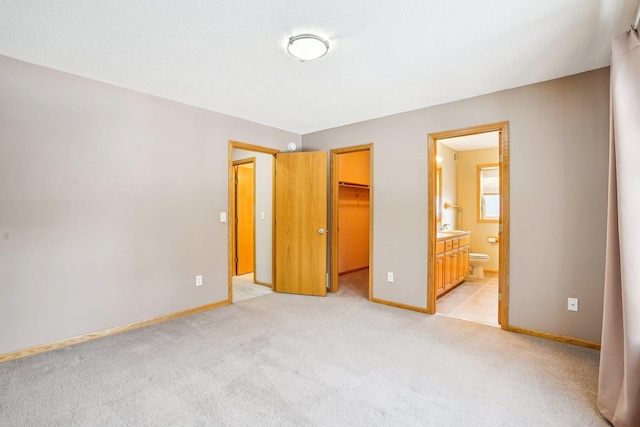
{"x":475,"y":300}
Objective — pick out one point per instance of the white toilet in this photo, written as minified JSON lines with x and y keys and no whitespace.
{"x":477,"y":261}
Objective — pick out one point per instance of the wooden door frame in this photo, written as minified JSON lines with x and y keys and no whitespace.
{"x":503,"y":273}
{"x":232,"y":210}
{"x":333,"y":227}
{"x":234,"y":242}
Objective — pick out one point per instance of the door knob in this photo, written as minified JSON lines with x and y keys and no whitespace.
{"x":321,"y":231}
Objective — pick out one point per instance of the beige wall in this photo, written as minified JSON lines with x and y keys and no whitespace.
{"x":109,"y":204}
{"x":467,"y":191}
{"x":559,"y":140}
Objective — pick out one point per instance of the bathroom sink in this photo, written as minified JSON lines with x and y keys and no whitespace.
{"x":451,"y":232}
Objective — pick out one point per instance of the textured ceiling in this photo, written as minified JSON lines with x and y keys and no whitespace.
{"x":386,"y":57}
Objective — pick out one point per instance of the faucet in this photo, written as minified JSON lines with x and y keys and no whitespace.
{"x":443,"y":227}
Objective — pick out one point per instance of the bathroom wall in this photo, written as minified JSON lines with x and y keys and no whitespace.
{"x":467,"y":193}
{"x":449,"y":166}
{"x":264,"y":202}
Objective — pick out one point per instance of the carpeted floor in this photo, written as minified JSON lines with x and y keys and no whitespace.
{"x":291,"y":360}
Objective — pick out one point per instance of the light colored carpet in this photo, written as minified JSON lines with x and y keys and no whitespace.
{"x":288,"y":360}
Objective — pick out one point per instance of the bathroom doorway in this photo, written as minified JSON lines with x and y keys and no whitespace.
{"x":468,"y":221}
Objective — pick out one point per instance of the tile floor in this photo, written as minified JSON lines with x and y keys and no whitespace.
{"x":475,"y":300}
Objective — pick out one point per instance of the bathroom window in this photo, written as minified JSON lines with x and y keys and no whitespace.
{"x":488,"y":185}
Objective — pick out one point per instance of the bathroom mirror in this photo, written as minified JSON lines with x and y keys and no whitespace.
{"x":488,"y":193}
{"x":439,"y":195}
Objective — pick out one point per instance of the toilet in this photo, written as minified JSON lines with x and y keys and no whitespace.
{"x":477,"y":261}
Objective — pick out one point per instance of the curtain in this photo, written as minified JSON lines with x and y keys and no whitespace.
{"x":619,"y":382}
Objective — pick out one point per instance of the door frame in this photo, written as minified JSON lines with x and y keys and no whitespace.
{"x":333,"y":222}
{"x":248,"y":160}
{"x":232,"y":210}
{"x":503,"y":273}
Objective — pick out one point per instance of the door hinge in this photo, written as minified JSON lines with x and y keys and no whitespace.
{"x":500,"y":227}
{"x":236,"y":260}
{"x":500,"y":158}
{"x":500,"y":296}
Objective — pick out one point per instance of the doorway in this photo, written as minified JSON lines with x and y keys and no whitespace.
{"x":250,"y":245}
{"x":351,"y":232}
{"x":476,"y":217}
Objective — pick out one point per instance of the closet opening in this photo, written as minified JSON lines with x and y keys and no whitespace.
{"x":351,"y":221}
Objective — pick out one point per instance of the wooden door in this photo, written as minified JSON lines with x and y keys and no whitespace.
{"x":463,"y":264}
{"x":439,"y":274}
{"x":453,"y":269}
{"x":244,"y":221}
{"x":301,"y":223}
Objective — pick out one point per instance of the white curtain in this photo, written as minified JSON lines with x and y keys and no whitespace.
{"x":619,"y":384}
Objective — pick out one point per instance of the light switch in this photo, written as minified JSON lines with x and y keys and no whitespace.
{"x":223,"y":217}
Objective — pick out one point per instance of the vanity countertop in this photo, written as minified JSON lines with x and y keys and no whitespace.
{"x":444,"y":235}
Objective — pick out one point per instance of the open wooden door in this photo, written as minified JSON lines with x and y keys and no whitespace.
{"x":301,"y":223}
{"x":244,"y":221}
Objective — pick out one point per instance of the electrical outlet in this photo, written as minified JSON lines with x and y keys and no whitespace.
{"x":390,"y":277}
{"x":198,"y":280}
{"x":572,"y":304}
{"x":223,"y":217}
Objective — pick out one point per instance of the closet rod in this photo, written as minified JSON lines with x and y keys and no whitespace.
{"x":352,"y":185}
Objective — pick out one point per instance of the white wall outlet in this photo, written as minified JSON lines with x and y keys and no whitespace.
{"x":572,"y":304}
{"x":390,"y":277}
{"x":198,"y":280}
{"x":223,"y":217}
{"x":262,"y":215}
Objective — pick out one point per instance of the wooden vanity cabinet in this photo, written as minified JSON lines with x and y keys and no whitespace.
{"x":439,"y":276}
{"x":452,"y":262}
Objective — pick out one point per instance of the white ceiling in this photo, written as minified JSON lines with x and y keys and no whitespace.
{"x":386,"y":57}
{"x":477,"y":141}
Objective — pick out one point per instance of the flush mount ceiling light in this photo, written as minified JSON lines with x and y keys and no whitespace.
{"x":306,"y":47}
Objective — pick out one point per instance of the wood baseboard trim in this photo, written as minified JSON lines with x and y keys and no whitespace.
{"x":554,"y":337}
{"x":491,"y":271}
{"x":399,"y":305}
{"x":105,"y":332}
{"x":268,"y":285}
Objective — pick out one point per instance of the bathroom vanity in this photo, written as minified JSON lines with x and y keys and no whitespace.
{"x":452,"y":260}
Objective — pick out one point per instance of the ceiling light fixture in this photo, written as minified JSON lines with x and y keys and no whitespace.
{"x":306,"y":47}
